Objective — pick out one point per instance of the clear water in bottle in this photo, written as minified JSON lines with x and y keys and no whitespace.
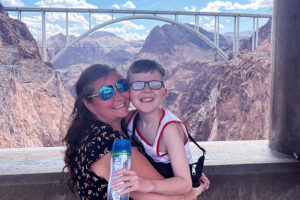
{"x":120,"y":158}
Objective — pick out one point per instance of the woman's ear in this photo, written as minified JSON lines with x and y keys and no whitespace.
{"x":87,"y":105}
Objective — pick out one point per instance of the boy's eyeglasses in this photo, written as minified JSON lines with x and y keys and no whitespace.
{"x":107,"y":92}
{"x":139,"y":85}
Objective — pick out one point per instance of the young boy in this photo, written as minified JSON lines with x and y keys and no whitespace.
{"x":163,"y":135}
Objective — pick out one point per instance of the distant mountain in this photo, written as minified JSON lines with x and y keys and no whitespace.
{"x":171,"y":45}
{"x":242,"y":35}
{"x":99,"y":47}
{"x":264,"y":41}
{"x":35,"y":106}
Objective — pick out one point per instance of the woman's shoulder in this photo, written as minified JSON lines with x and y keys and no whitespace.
{"x":100,"y":133}
{"x":98,"y":141}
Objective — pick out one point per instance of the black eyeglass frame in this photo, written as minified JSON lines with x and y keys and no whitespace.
{"x":162,"y":85}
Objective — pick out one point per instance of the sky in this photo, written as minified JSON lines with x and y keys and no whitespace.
{"x":135,"y":29}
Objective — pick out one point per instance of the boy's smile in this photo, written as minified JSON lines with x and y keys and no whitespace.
{"x":147,"y":99}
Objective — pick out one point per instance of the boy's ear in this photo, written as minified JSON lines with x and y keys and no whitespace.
{"x":165,"y":92}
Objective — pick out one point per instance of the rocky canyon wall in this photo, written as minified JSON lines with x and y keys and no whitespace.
{"x":35,"y":106}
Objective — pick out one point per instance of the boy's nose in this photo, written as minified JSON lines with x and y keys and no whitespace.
{"x":147,"y":87}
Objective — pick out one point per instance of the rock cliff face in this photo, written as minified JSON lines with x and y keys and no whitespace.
{"x":223,"y":101}
{"x":35,"y":106}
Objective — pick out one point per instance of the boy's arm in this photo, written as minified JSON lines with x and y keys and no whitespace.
{"x":173,"y":138}
{"x":181,"y":183}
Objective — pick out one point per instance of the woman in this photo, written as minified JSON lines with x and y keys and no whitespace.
{"x":102,"y":102}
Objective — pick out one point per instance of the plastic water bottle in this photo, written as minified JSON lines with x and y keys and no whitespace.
{"x":120,"y":158}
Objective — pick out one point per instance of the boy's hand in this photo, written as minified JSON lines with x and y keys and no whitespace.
{"x":131,"y":182}
{"x":205,"y":181}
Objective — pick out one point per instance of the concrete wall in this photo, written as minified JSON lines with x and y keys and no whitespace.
{"x":237,"y":170}
{"x":276,"y":184}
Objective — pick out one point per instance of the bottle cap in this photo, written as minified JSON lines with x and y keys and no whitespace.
{"x":121,"y":146}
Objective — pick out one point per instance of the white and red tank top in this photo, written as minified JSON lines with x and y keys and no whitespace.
{"x":153,"y":150}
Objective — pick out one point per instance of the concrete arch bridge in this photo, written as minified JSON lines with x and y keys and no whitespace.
{"x":151,"y":15}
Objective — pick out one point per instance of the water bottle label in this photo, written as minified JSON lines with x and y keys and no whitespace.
{"x":120,"y":158}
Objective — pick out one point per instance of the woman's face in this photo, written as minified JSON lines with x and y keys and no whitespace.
{"x":112,"y":110}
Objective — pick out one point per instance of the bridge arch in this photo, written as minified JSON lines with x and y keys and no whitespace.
{"x":198,"y":34}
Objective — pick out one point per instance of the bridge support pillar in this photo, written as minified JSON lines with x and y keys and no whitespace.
{"x":284,"y":132}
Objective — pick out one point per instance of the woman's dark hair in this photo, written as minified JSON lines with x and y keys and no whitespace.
{"x":144,"y":66}
{"x":82,"y":118}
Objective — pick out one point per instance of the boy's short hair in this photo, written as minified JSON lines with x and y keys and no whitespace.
{"x":144,"y":66}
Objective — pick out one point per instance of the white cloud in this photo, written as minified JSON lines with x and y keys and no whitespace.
{"x":61,"y":18}
{"x":262,"y":3}
{"x":65,"y":4}
{"x":134,"y":36}
{"x":121,"y":32}
{"x":131,"y":26}
{"x":211,"y":25}
{"x":34,"y":25}
{"x":126,"y":5}
{"x":101,"y":18}
{"x":215,"y":6}
{"x":17,"y":3}
{"x":129,"y":5}
{"x":55,"y":23}
{"x":124,"y":30}
{"x":116,"y":6}
{"x":191,"y":8}
{"x":53,"y":29}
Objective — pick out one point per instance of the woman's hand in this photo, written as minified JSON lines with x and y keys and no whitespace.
{"x":130,"y":181}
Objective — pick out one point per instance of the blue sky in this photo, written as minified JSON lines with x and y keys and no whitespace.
{"x":136,"y":29}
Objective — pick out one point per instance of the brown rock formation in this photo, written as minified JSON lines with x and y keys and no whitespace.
{"x":35,"y":106}
{"x":223,"y":101}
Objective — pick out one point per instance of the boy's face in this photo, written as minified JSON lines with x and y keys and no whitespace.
{"x":147,"y":100}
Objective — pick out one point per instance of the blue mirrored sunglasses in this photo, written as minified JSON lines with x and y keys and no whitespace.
{"x":107,"y":92}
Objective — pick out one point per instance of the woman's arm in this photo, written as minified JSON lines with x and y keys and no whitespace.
{"x":144,"y":170}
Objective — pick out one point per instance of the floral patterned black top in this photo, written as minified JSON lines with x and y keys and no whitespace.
{"x":95,"y":145}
